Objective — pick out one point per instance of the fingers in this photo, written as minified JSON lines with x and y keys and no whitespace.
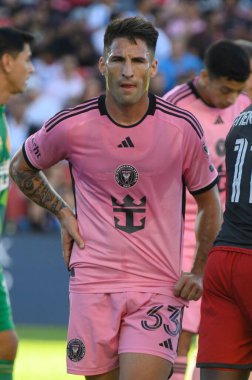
{"x":78,"y":240}
{"x":69,"y":235}
{"x":188,"y":287}
{"x":67,"y":244}
{"x":71,"y":228}
{"x":192,"y":294}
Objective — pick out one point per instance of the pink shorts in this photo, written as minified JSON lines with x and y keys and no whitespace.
{"x":102,"y":326}
{"x":225,"y":334}
{"x":191,"y":318}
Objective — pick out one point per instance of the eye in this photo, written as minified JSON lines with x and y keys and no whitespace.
{"x":225,"y":91}
{"x":139,"y":60}
{"x":117,"y":59}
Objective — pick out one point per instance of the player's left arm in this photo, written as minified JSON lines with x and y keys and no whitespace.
{"x":208,"y":222}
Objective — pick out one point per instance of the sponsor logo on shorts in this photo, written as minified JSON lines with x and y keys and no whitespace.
{"x":76,"y":350}
{"x":126,"y":176}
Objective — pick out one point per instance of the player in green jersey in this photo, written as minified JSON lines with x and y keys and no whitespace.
{"x":15,"y":69}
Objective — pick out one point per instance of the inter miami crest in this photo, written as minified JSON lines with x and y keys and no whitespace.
{"x":126,"y":176}
{"x":76,"y":350}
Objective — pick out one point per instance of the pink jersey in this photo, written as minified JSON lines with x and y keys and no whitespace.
{"x":216,"y":123}
{"x":129,"y":185}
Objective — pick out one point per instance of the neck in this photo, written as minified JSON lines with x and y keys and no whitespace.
{"x":127,"y":114}
{"x":202,"y":91}
{"x":4,"y":93}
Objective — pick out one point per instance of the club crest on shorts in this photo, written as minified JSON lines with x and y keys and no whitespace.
{"x":76,"y":350}
{"x":126,"y":176}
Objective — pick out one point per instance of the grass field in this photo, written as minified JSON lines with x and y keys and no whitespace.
{"x":41,"y":354}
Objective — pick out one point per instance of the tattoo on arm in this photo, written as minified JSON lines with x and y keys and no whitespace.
{"x":37,"y":188}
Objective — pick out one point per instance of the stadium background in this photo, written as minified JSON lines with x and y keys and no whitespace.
{"x":69,"y":38}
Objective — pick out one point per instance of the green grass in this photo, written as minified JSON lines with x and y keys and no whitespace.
{"x":41,"y":354}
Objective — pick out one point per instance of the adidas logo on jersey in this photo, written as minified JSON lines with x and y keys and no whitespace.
{"x":127,"y":143}
{"x":167,"y":344}
{"x":219,"y":120}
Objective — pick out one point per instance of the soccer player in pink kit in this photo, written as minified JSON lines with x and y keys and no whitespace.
{"x":215,"y":98}
{"x":131,"y":155}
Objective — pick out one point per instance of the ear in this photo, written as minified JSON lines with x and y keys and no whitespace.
{"x":153,"y":70}
{"x":204,"y":77}
{"x":7,"y":62}
{"x":102,"y":66}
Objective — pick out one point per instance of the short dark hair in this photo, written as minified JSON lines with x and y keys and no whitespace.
{"x":245,"y":44}
{"x":225,"y":58}
{"x":12,"y":40}
{"x":131,"y":28}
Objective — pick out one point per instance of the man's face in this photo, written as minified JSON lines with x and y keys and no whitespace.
{"x":221,"y":92}
{"x":19,"y":69}
{"x":127,"y":67}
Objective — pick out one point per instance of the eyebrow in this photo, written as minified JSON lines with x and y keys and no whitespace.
{"x":133,"y":58}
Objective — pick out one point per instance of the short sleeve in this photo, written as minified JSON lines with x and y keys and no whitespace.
{"x":47,"y":146}
{"x":199,"y":172}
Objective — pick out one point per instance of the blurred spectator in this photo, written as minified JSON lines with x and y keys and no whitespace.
{"x":68,"y":85}
{"x":18,"y":128}
{"x":181,"y":66}
{"x":94,"y":87}
{"x":185,"y":19}
{"x":40,"y":106}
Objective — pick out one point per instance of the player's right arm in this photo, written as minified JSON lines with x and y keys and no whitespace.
{"x":34,"y":184}
{"x":209,"y":218}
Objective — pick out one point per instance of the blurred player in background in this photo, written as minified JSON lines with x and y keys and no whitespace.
{"x":225,"y":334}
{"x":15,"y":69}
{"x":215,"y":98}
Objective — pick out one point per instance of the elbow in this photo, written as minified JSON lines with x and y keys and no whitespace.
{"x":13,"y":169}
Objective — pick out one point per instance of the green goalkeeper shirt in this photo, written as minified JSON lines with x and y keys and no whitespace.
{"x":4,"y":165}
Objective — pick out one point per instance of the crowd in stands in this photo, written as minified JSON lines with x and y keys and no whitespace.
{"x":68,"y":42}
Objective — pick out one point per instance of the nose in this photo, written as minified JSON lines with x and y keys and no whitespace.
{"x":31,"y":68}
{"x":127,"y":70}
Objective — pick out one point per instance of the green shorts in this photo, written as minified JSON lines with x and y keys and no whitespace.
{"x":6,"y":321}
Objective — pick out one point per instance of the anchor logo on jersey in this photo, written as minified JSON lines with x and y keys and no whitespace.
{"x":129,"y":208}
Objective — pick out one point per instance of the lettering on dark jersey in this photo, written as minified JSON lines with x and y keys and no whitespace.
{"x":244,"y":118}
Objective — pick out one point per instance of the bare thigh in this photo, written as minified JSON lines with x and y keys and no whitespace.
{"x":143,"y":367}
{"x":215,"y":374}
{"x":112,"y":375}
{"x":8,"y":344}
{"x":138,"y":366}
{"x":185,"y":341}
